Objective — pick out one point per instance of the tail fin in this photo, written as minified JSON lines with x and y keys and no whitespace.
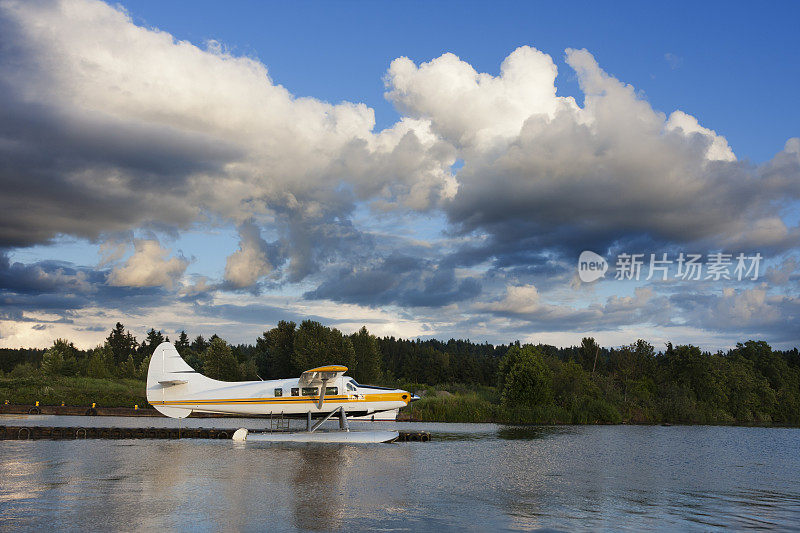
{"x":170,"y":378}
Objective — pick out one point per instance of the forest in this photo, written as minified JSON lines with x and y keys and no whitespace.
{"x":458,"y":380}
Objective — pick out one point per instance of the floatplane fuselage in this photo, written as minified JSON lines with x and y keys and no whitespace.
{"x":177,"y":390}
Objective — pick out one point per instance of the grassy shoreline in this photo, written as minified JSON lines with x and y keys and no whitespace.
{"x":73,"y":390}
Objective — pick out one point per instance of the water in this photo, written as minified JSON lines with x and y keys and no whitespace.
{"x":471,"y":477}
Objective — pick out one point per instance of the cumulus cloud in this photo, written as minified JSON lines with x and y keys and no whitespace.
{"x":106,"y":126}
{"x":149,"y":266}
{"x":249,"y":263}
{"x":752,"y":310}
{"x":717,"y":150}
{"x":474,"y":109}
{"x":543,"y":173}
{"x":59,"y":292}
{"x":522,"y":299}
{"x":528,"y":308}
{"x":132,"y":128}
{"x":789,"y":269}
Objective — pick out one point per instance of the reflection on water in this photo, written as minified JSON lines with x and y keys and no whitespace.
{"x":319,"y":484}
{"x":472,"y":477}
{"x":531,"y":432}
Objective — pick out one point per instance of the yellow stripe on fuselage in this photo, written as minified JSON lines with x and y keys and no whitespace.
{"x":385,"y":397}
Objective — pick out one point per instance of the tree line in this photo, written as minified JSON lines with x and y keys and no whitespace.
{"x":751,"y":383}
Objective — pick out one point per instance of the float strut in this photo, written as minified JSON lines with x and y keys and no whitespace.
{"x":308,"y":422}
{"x":343,"y":420}
{"x":318,"y":424}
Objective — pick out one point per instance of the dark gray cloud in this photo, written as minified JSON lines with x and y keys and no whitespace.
{"x":85,"y":174}
{"x":62,"y":288}
{"x":750,"y":311}
{"x":397,"y":280}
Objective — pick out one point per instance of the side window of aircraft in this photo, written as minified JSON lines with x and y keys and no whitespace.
{"x":310,"y":391}
{"x":295,"y":391}
{"x":278,"y":393}
{"x":332,"y":390}
{"x":350,"y":387}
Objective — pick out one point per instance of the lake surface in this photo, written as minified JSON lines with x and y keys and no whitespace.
{"x":470,"y":477}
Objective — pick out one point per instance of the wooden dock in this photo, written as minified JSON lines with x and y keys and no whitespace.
{"x":85,"y":410}
{"x":80,"y":432}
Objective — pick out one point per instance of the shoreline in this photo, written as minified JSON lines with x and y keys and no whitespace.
{"x":72,"y":410}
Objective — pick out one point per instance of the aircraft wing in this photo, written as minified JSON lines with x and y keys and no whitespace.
{"x":317,"y":376}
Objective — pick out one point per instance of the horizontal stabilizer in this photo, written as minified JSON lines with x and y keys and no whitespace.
{"x":171,"y":382}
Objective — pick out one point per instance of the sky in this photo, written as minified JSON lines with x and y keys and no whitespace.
{"x":426,"y":169}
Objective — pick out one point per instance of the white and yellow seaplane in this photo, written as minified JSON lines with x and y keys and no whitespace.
{"x":177,"y":390}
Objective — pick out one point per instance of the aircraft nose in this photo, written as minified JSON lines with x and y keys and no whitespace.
{"x":408,"y":397}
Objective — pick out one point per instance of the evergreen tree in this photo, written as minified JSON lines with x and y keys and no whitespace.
{"x":128,"y":368}
{"x":316,"y":345}
{"x":52,"y":362}
{"x":182,"y":344}
{"x":121,"y":343}
{"x":588,"y":354}
{"x":154,"y":339}
{"x":141,"y":372}
{"x":309,"y":347}
{"x":199,"y":345}
{"x":219,"y":362}
{"x":368,"y":361}
{"x":274,"y":351}
{"x":100,"y":362}
{"x":60,"y":359}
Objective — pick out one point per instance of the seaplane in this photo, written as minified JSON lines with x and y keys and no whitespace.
{"x":176,"y":390}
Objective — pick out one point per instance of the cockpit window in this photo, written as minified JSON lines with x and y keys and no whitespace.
{"x":350,"y":386}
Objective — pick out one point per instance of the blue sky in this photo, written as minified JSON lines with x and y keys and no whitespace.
{"x":155,"y":175}
{"x":733,"y":68}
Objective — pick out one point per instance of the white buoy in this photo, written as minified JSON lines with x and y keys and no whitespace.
{"x":240,"y":435}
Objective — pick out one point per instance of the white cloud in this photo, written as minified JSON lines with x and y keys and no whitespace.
{"x":249,"y":263}
{"x":149,"y":266}
{"x":160,"y":132}
{"x":540,"y":171}
{"x":521,"y":299}
{"x":718,"y":149}
{"x":747,"y":306}
{"x":112,"y":250}
{"x":674,"y":60}
{"x":472,"y":109}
